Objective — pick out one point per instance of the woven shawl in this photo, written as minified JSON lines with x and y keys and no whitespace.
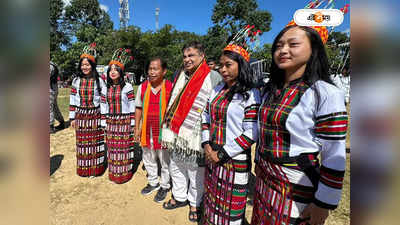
{"x":182,"y":124}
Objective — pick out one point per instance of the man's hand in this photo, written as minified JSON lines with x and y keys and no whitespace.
{"x":73,"y":125}
{"x":211,"y":155}
{"x":138,"y":134}
{"x":316,"y":215}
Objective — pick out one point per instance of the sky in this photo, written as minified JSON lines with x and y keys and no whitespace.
{"x":195,"y":15}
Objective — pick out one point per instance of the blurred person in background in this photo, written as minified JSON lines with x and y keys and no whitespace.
{"x":215,"y":75}
{"x":302,"y":115}
{"x":375,"y":112}
{"x":85,"y":117}
{"x":117,"y":108}
{"x":55,"y":113}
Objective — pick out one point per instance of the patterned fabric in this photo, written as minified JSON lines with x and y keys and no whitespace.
{"x":321,"y":30}
{"x":84,"y":108}
{"x":119,"y":142}
{"x":117,"y":101}
{"x":182,"y":105}
{"x":86,"y":91}
{"x":219,"y":107}
{"x":114,"y":99}
{"x":238,"y":49}
{"x":89,"y":143}
{"x":332,"y":126}
{"x":229,"y":124}
{"x":233,"y":124}
{"x":117,"y":109}
{"x":331,"y":178}
{"x":84,"y":94}
{"x":151,"y":116}
{"x":226,"y":191}
{"x":274,"y":137}
{"x":299,"y":122}
{"x":185,"y":146}
{"x":276,"y":199}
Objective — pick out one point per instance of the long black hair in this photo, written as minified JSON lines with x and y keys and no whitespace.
{"x":121,"y":81}
{"x":244,"y":80}
{"x":93,"y":73}
{"x":317,"y":67}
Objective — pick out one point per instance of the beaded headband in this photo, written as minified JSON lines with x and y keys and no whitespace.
{"x":238,"y":43}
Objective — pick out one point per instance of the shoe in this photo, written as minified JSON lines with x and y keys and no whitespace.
{"x":149,"y":189}
{"x":194,"y":216}
{"x":161,"y":194}
{"x":52,"y":129}
{"x":168,"y":205}
{"x":61,"y":126}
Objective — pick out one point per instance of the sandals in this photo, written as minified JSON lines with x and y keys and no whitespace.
{"x":192,"y":215}
{"x":168,"y":205}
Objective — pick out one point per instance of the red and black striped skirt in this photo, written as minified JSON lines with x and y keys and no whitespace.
{"x":90,"y":152}
{"x":119,"y":133}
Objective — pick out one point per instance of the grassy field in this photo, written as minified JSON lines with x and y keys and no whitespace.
{"x":65,"y":186}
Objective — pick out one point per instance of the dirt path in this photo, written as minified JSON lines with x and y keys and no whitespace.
{"x":82,"y":201}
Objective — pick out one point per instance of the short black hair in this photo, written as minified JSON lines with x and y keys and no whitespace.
{"x":194,"y":44}
{"x":163,"y":63}
{"x":211,"y":60}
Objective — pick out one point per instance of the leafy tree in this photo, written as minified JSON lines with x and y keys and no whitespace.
{"x":263,"y":53}
{"x":57,"y":37}
{"x":214,"y":41}
{"x":337,"y":54}
{"x":83,"y":16}
{"x":235,"y":14}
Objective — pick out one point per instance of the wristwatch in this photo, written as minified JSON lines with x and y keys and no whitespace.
{"x":220,"y":155}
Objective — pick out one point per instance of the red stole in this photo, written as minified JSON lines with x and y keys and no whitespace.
{"x":188,"y":96}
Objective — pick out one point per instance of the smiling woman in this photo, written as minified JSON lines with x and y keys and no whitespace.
{"x":302,"y":115}
{"x":85,"y":116}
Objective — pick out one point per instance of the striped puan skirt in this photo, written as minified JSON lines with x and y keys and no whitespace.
{"x":226,"y":191}
{"x":119,"y":133}
{"x":281,"y":194}
{"x":90,"y":152}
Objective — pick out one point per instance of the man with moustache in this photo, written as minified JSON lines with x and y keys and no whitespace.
{"x":151,"y":102}
{"x":181,"y":130}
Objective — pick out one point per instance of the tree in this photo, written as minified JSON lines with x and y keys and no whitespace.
{"x":337,"y":55}
{"x":336,"y":38}
{"x":57,"y":36}
{"x":263,"y":53}
{"x":83,"y":16}
{"x":235,"y":14}
{"x":214,"y":41}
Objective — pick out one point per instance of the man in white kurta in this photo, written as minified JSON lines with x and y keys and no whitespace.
{"x":184,"y":141}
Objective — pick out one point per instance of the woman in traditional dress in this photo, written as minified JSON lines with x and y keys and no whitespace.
{"x":85,"y":116}
{"x":302,"y":115}
{"x":229,"y":130}
{"x":117,"y":109}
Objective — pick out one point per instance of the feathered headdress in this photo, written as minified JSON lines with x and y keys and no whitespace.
{"x":121,"y":57}
{"x":89,"y":52}
{"x":243,"y":40}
